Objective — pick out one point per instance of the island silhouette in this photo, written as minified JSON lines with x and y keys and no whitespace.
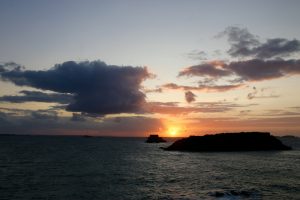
{"x":153,"y":138}
{"x":243,"y":141}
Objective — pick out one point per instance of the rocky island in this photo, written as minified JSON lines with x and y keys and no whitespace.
{"x":244,"y":141}
{"x":155,"y":139}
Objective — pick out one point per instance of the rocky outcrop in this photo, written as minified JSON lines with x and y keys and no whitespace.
{"x":244,"y":141}
{"x":155,"y":139}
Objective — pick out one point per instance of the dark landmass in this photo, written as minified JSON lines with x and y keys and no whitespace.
{"x":290,"y":140}
{"x":289,"y":136}
{"x":155,"y":139}
{"x":87,"y":136}
{"x":5,"y":134}
{"x":244,"y":141}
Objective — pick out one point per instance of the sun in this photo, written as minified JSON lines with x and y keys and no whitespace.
{"x":173,"y":131}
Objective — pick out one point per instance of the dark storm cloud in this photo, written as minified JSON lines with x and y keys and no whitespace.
{"x":248,"y":70}
{"x":37,"y":97}
{"x":244,"y":44}
{"x":96,"y":87}
{"x":190,"y":96}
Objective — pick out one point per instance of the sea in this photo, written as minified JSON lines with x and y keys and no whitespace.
{"x":111,"y":168}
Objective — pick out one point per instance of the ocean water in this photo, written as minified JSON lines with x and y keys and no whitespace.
{"x":59,"y":167}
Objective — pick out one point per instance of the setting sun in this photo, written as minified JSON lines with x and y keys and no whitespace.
{"x":173,"y":131}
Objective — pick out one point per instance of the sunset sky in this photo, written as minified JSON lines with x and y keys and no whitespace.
{"x":135,"y":67}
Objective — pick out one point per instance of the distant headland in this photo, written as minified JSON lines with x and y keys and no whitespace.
{"x":243,"y":141}
{"x":155,"y":139}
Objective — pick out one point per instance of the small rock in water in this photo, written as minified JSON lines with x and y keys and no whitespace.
{"x":155,"y":139}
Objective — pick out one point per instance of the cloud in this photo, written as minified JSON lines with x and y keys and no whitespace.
{"x":282,"y":125}
{"x":155,"y":90}
{"x":240,"y":40}
{"x":37,"y":96}
{"x":44,"y":115}
{"x":190,"y":97}
{"x":9,"y":66}
{"x":182,"y":110}
{"x":261,"y":61}
{"x":258,"y":70}
{"x":197,"y":55}
{"x":295,"y":107}
{"x":84,"y":116}
{"x":244,"y":44}
{"x":245,"y":112}
{"x":260,"y":94}
{"x":134,"y":125}
{"x":42,"y":123}
{"x":205,"y":88}
{"x":173,"y":108}
{"x":276,"y":47}
{"x":252,"y":94}
{"x":96,"y":87}
{"x":248,"y":70}
{"x":210,"y":69}
{"x":3,"y":118}
{"x":77,"y":117}
{"x":280,"y":112}
{"x":15,"y":111}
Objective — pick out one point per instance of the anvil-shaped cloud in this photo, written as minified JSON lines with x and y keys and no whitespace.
{"x":95,"y":86}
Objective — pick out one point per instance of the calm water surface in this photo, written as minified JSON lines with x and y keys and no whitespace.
{"x":42,"y":167}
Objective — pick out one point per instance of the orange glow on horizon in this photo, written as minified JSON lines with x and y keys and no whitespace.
{"x":173,"y":131}
{"x":172,"y":127}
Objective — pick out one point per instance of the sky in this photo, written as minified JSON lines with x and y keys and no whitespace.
{"x":135,"y":67}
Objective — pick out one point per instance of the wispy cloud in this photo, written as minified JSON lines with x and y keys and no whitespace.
{"x":248,"y":70}
{"x":245,"y":44}
{"x":205,"y":88}
{"x":261,"y":94}
{"x":45,"y":122}
{"x":173,"y":108}
{"x":197,"y":55}
{"x":278,"y":125}
{"x":36,"y":96}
